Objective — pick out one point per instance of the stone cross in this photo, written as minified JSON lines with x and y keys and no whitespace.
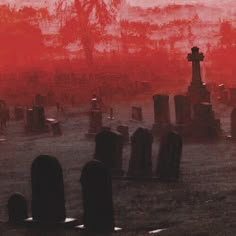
{"x":195,"y":57}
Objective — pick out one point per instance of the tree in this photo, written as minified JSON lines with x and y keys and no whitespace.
{"x":87,"y":22}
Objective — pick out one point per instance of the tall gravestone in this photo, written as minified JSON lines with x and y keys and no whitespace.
{"x":161,"y":113}
{"x":17,"y":208}
{"x":233,"y":123}
{"x":169,"y":157}
{"x":140,"y":164}
{"x":204,"y":124}
{"x":108,"y":150}
{"x":48,"y":200}
{"x":96,"y":184}
{"x":197,"y":91}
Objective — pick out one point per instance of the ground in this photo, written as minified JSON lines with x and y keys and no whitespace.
{"x":202,"y":203}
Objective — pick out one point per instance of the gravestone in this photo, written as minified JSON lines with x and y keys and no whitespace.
{"x":19,"y":113}
{"x":140,"y":164}
{"x":137,"y":114}
{"x":39,"y":118}
{"x":161,"y":113}
{"x":111,"y":115}
{"x":204,"y":124}
{"x":96,"y":185}
{"x":29,"y":122}
{"x":182,"y":110}
{"x":197,"y":91}
{"x":233,"y":123}
{"x":108,"y":150}
{"x":48,"y":201}
{"x":124,"y":130}
{"x":39,"y":100}
{"x":17,"y":208}
{"x":169,"y":157}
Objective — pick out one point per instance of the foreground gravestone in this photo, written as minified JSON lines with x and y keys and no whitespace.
{"x":161,"y":113}
{"x":124,"y":130}
{"x":204,"y":124}
{"x":140,"y":164}
{"x":97,"y":197}
{"x":233,"y":123}
{"x":48,"y":201}
{"x":169,"y":157}
{"x":137,"y":114}
{"x":17,"y":208}
{"x":108,"y":150}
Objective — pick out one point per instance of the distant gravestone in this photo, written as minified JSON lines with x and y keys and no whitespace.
{"x":48,"y":201}
{"x":204,"y":123}
{"x":39,"y":100}
{"x":169,"y":157}
{"x":232,"y":95}
{"x":140,"y":164}
{"x":96,"y":184}
{"x":108,"y":150}
{"x":124,"y":130}
{"x":137,"y":114}
{"x":17,"y":208}
{"x":161,"y":114}
{"x":39,"y":118}
{"x":182,"y":109}
{"x":29,"y":122}
{"x":233,"y":123}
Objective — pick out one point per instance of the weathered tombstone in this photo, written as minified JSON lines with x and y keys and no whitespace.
{"x":182,"y":110}
{"x":39,"y":118}
{"x":29,"y":122}
{"x":124,"y":130}
{"x":161,"y":114}
{"x":140,"y":164}
{"x":108,"y":150}
{"x":169,"y":157}
{"x":17,"y":208}
{"x":197,"y":91}
{"x":204,"y":124}
{"x":137,"y":114}
{"x":233,"y":123}
{"x":97,"y":197}
{"x":19,"y":113}
{"x":48,"y":201}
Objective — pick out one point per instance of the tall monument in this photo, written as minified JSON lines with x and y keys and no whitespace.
{"x":197,"y":91}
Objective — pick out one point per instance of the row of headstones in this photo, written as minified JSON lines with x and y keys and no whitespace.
{"x":202,"y":123}
{"x":109,"y":149}
{"x":48,"y":198}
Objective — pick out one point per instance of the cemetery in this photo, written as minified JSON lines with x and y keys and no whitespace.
{"x":156,"y":168}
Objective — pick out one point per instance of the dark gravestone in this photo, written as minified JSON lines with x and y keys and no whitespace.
{"x":161,"y":114}
{"x":48,"y":202}
{"x":124,"y":130}
{"x":169,"y":157}
{"x":17,"y":208}
{"x":19,"y":113}
{"x":39,"y":118}
{"x":197,"y":90}
{"x":97,"y":197}
{"x":140,"y":164}
{"x":204,"y":123}
{"x":108,"y":150}
{"x":137,"y":114}
{"x":233,"y":123}
{"x":29,"y":119}
{"x":182,"y":110}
